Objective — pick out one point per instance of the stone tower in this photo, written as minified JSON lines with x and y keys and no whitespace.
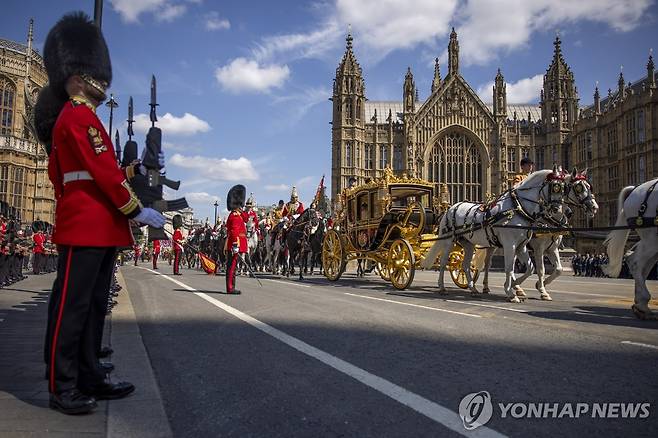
{"x":559,"y":108}
{"x":348,"y":121}
{"x":409,"y":97}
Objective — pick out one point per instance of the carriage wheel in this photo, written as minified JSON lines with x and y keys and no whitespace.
{"x":333,"y":256}
{"x":455,"y":267}
{"x":401,"y":264}
{"x":383,"y":271}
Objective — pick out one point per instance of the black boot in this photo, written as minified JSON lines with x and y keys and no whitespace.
{"x":72,"y":402}
{"x":110,"y":391}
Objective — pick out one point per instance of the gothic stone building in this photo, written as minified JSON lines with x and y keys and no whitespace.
{"x":24,"y":182}
{"x":454,"y":138}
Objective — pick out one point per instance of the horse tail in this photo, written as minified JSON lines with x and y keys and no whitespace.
{"x":616,"y":240}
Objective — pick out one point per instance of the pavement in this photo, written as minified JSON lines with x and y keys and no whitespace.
{"x":352,"y":358}
{"x":24,"y":408}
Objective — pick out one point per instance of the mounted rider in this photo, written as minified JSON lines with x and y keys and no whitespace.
{"x":294,"y":207}
{"x":250,"y":213}
{"x":277,"y":212}
{"x":527,"y":167}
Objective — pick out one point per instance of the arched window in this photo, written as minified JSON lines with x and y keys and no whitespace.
{"x":565,"y":112}
{"x":348,"y":109}
{"x":398,"y":159}
{"x":348,"y":154}
{"x":7,"y":97}
{"x":455,"y":161}
{"x":383,"y":156}
{"x":358,"y":109}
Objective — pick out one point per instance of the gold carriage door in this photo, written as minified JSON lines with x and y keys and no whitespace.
{"x":455,"y":161}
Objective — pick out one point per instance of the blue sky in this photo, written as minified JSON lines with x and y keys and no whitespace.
{"x":244,"y":85}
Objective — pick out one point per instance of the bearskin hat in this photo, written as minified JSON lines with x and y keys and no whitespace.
{"x":46,"y":111}
{"x":75,"y":46}
{"x":129,"y":153}
{"x":235,"y":197}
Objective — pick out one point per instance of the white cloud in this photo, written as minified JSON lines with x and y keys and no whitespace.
{"x":386,"y":25}
{"x":217,"y":169}
{"x":214,"y":22}
{"x":170,"y":12}
{"x":201,"y":197}
{"x":487,"y":28}
{"x":242,"y":74}
{"x":298,"y":104}
{"x":299,"y":45}
{"x":277,"y":187}
{"x":188,"y":124}
{"x":524,"y":90}
{"x":163,"y":10}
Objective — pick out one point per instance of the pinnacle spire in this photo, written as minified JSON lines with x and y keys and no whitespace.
{"x":30,"y":33}
{"x":348,"y":38}
{"x":436,"y":82}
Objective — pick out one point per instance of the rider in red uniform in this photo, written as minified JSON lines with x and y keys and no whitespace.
{"x":293,"y":207}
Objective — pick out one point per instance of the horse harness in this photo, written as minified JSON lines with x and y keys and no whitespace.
{"x":639,"y":221}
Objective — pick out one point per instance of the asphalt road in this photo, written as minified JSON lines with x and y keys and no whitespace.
{"x":358,"y":358}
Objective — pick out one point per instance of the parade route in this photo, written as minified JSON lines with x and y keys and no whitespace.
{"x":224,"y":364}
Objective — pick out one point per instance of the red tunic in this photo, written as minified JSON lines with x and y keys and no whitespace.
{"x":39,"y":240}
{"x":88,"y":212}
{"x":236,"y":232}
{"x":178,"y":240}
{"x":288,"y":213}
{"x":156,"y":247}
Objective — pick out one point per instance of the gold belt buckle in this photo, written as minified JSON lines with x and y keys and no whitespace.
{"x":639,"y":221}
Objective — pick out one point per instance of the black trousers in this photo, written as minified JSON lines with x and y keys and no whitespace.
{"x":76,"y":317}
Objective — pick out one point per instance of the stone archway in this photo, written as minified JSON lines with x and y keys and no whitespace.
{"x":455,"y":159}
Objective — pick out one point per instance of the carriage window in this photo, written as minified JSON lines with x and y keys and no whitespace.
{"x":362,"y":202}
{"x":350,"y":210}
{"x":375,"y":205}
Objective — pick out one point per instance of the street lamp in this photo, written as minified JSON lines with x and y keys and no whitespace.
{"x":216,"y":204}
{"x":111,"y":104}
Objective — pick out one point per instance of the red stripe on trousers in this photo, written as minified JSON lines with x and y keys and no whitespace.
{"x":59,"y":320}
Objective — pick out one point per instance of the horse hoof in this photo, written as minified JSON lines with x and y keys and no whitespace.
{"x":442,"y":291}
{"x":486,"y":290}
{"x":474,"y":291}
{"x":644,"y":315}
{"x":520,"y":293}
{"x":514,"y":299}
{"x":545,"y":296}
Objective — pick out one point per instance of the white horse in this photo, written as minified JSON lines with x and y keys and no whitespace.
{"x":252,"y":244}
{"x":537,"y":197}
{"x":636,"y":204}
{"x":578,"y":193}
{"x":275,"y":245}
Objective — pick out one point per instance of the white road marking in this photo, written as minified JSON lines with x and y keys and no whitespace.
{"x":487,"y":305}
{"x":287,"y":282}
{"x":414,"y":305}
{"x":434,"y":411}
{"x":640,"y":344}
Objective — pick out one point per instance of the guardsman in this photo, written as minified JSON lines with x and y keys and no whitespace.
{"x":294,"y":207}
{"x":38,"y":249}
{"x":138,"y":251}
{"x":90,"y":190}
{"x":156,"y":253}
{"x":177,"y":242}
{"x":236,"y":238}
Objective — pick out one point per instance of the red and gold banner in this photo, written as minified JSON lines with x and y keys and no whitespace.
{"x":208,"y":264}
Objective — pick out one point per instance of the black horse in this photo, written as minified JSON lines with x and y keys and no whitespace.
{"x":316,"y":245}
{"x":298,"y":241}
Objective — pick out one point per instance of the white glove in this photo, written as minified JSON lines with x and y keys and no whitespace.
{"x":235,"y":249}
{"x":149,"y":216}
